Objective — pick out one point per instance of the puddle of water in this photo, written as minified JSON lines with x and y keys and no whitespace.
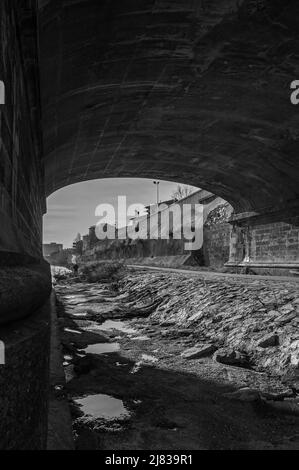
{"x":102,"y":348}
{"x":69,"y":330}
{"x":116,"y":325}
{"x":103,"y":406}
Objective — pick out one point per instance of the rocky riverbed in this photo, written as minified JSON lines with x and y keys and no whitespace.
{"x":173,"y":361}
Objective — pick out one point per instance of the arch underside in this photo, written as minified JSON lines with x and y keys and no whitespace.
{"x":190,"y":91}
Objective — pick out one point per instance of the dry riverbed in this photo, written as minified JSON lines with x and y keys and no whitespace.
{"x":168,"y":361}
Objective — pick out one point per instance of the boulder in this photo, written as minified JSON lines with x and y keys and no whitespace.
{"x":231,"y":357}
{"x":167,"y":323}
{"x":269,"y":341}
{"x":183,"y":332}
{"x":198,"y":351}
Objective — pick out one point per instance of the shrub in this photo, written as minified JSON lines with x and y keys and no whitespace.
{"x":103,"y":271}
{"x":60,"y":273}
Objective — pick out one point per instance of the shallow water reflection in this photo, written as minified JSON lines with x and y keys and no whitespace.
{"x":103,"y":406}
{"x":101,"y":348}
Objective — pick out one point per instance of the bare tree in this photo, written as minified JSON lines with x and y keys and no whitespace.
{"x":181,"y":192}
{"x":78,"y":238}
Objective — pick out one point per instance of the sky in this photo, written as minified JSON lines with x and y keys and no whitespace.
{"x":71,"y":210}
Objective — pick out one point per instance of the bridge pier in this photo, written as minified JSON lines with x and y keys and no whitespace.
{"x":25,"y":282}
{"x":24,"y":381}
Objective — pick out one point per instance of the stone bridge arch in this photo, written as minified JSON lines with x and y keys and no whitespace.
{"x":196,"y":91}
{"x":191,"y":91}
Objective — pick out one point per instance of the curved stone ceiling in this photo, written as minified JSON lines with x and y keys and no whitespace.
{"x":195,"y":91}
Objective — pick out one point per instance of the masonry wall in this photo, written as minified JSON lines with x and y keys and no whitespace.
{"x":214,"y":254}
{"x":277,"y":241}
{"x":217,"y":231}
{"x":260,"y":243}
{"x":266,"y":243}
{"x":21,"y":179}
{"x":216,"y":245}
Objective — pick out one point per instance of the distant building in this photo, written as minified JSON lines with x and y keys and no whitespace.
{"x":85,"y":242}
{"x":152,"y":207}
{"x":50,"y":249}
{"x":92,"y":236}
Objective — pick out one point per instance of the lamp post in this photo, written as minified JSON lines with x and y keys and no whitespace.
{"x":157,"y":185}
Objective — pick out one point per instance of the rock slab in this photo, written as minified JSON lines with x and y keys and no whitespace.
{"x":198,"y":351}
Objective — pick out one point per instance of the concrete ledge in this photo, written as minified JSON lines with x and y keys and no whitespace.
{"x":24,"y":382}
{"x":23,"y":289}
{"x":59,"y":419}
{"x":282,"y":269}
{"x":253,"y":264}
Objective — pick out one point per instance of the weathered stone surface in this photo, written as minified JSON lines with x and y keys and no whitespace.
{"x":23,"y":289}
{"x":232,"y":313}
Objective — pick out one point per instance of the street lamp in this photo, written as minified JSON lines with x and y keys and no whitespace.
{"x":157,"y":185}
